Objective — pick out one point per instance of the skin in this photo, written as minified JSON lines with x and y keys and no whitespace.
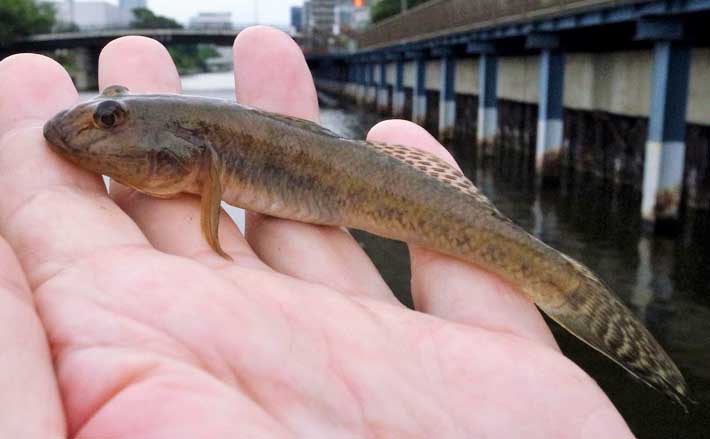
{"x":165,"y":145}
{"x":133,"y":328}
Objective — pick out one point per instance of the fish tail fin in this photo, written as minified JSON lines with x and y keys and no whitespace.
{"x":596,"y":316}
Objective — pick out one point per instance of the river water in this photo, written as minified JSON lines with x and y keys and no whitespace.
{"x":666,"y":281}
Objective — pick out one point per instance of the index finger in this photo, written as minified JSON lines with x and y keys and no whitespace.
{"x":51,"y":212}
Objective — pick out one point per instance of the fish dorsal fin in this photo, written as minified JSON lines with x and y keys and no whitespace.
{"x":303,"y":124}
{"x":434,"y":167}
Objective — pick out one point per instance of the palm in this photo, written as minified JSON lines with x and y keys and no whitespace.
{"x":153,"y":336}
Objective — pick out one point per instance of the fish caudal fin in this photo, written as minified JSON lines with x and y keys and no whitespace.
{"x":596,"y":316}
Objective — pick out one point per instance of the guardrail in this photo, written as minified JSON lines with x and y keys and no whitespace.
{"x":440,"y":17}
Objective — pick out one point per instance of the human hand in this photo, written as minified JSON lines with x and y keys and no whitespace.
{"x":154,"y":336}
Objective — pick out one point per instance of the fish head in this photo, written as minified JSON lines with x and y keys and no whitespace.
{"x":127,"y":138}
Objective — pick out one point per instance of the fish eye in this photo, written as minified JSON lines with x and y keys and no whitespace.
{"x":109,"y":114}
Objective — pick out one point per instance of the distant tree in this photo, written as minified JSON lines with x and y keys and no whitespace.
{"x":19,"y":18}
{"x":387,"y":8}
{"x":145,"y":19}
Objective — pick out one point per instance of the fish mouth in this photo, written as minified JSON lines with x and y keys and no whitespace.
{"x":53,"y":135}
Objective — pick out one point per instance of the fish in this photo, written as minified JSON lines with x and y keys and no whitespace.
{"x":164,"y":145}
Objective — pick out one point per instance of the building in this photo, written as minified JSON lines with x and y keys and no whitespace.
{"x":306,"y":17}
{"x":350,"y":16}
{"x":297,"y":18}
{"x":212,"y":20}
{"x":130,"y":5}
{"x":93,"y":15}
{"x":322,"y":17}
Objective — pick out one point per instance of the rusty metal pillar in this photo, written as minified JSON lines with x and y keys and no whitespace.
{"x":665,"y":146}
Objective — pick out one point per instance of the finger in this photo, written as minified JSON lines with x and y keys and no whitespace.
{"x":31,"y":404}
{"x":271,"y":73}
{"x":454,"y":290}
{"x":51,"y":212}
{"x":143,"y":65}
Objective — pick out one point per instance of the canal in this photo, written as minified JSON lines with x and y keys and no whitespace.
{"x":665,"y":280}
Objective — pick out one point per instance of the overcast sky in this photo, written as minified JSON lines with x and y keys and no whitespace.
{"x":243,"y":11}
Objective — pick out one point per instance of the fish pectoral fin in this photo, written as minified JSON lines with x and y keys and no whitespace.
{"x":211,"y":207}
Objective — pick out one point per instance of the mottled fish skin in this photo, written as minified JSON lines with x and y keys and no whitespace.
{"x":164,"y":145}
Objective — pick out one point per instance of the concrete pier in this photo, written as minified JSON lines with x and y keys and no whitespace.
{"x":550,"y":125}
{"x":87,"y":68}
{"x":488,"y":103}
{"x":398,"y":94}
{"x":419,"y":95}
{"x":447,"y":97}
{"x":665,"y":148}
{"x":371,"y":87}
{"x":382,"y":88}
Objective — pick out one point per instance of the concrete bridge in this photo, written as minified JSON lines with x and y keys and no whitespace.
{"x":88,"y":45}
{"x":593,"y":74}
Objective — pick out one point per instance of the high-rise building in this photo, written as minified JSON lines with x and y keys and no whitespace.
{"x":92,"y":14}
{"x":212,"y":20}
{"x":297,"y":18}
{"x":322,"y":17}
{"x":130,"y":5}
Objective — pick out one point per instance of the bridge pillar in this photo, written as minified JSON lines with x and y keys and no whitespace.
{"x":398,"y":94}
{"x":371,"y":96}
{"x":447,"y":96}
{"x":419,"y":95}
{"x":665,"y":146}
{"x":362,"y":82}
{"x":550,"y":125}
{"x":87,"y":68}
{"x":487,"y":134}
{"x":383,"y":89}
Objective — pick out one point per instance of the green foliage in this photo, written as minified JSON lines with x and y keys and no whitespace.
{"x":190,"y":58}
{"x":387,"y":8}
{"x":146,"y":19}
{"x":19,"y":18}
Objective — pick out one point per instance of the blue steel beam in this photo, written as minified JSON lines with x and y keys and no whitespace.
{"x":398,"y":95}
{"x":383,"y":88}
{"x":665,"y":147}
{"x":419,"y":103}
{"x":447,"y":97}
{"x":487,"y":134}
{"x":550,"y":125}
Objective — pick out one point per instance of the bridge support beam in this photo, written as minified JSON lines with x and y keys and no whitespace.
{"x":665,"y":146}
{"x":87,"y":67}
{"x":362,"y":90}
{"x":487,"y":134}
{"x":447,"y":98}
{"x":383,"y":89}
{"x":371,"y":96}
{"x":550,"y":125}
{"x":419,"y":95}
{"x":398,"y":94}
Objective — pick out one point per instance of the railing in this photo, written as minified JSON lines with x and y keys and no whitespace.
{"x":439,"y":17}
